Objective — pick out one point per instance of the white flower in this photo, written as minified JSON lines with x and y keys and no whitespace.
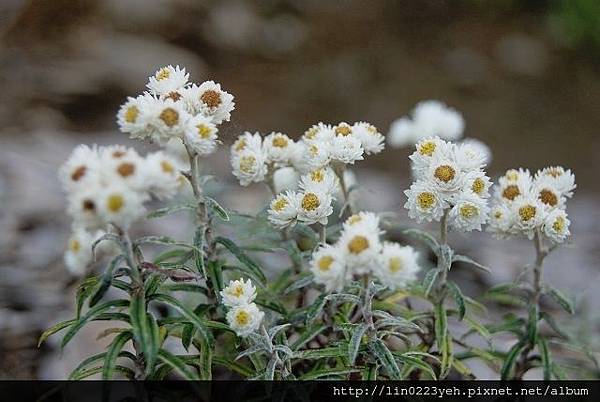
{"x":426,"y":150}
{"x":397,"y":266}
{"x":314,"y":206}
{"x":238,"y":293}
{"x":201,"y":135}
{"x":323,"y":180}
{"x":319,"y":132}
{"x":563,"y":180}
{"x":167,"y":79}
{"x":278,"y":148}
{"x":424,"y":202}
{"x":80,"y":168}
{"x":468,"y":213}
{"x":133,"y":116}
{"x":478,"y":183}
{"x":247,"y":142}
{"x":245,"y":319}
{"x":162,"y":177}
{"x":513,"y":184}
{"x":328,"y":268}
{"x":122,"y":164}
{"x":346,"y":149}
{"x":366,"y":220}
{"x":528,"y":213}
{"x":471,"y":155}
{"x":285,"y":178}
{"x":544,"y":188}
{"x":283,"y":209}
{"x":209,"y":100}
{"x":371,"y":140}
{"x":500,"y":221}
{"x":310,"y":155}
{"x":445,"y":175}
{"x":428,"y":118}
{"x":168,"y":118}
{"x":78,"y":254}
{"x":120,"y":205}
{"x":556,"y":226}
{"x":249,"y":166}
{"x":361,"y":246}
{"x":83,"y":206}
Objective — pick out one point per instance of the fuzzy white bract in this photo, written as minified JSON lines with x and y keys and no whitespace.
{"x":245,"y":319}
{"x":210,"y":100}
{"x":278,"y":148}
{"x":201,"y":135}
{"x":361,"y":245}
{"x":238,"y":292}
{"x":78,"y":254}
{"x":328,"y":266}
{"x":167,"y":80}
{"x":249,"y":166}
{"x":285,"y":178}
{"x":283,"y":210}
{"x":398,"y":265}
{"x":314,"y":206}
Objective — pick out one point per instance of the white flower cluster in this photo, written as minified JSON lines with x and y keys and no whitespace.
{"x":109,"y":185}
{"x":172,"y":108}
{"x":244,"y":316}
{"x":428,"y":118}
{"x":308,"y":165}
{"x":525,"y":204}
{"x":359,"y":251}
{"x":449,"y":177}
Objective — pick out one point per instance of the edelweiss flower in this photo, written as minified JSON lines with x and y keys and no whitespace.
{"x":468,"y":213}
{"x":445,"y":175}
{"x":425,"y":152}
{"x":346,"y":148}
{"x":167,"y":80}
{"x":397,"y":265}
{"x":544,"y":187}
{"x":247,"y":142}
{"x":83,"y":206}
{"x":285,"y":178}
{"x":163,"y":178}
{"x":209,"y":100}
{"x":314,"y":206}
{"x":201,"y":134}
{"x":500,"y":221}
{"x":283,"y":210}
{"x":79,"y":251}
{"x":323,"y":180}
{"x":556,"y":226}
{"x":310,"y":155}
{"x":120,"y":205}
{"x":478,"y":183}
{"x":528,"y":214}
{"x":424,"y":202}
{"x":245,"y":319}
{"x":81,"y":167}
{"x":133,"y":116}
{"x":513,"y":184}
{"x":371,"y":140}
{"x":238,"y":293}
{"x":361,"y":246}
{"x":168,"y":118}
{"x":123,"y":164}
{"x":279,"y":148}
{"x":562,"y":180}
{"x":319,"y":132}
{"x":367,"y":220}
{"x":328,"y":267}
{"x":471,"y":155}
{"x":249,"y":166}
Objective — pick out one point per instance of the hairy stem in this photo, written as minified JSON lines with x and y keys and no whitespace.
{"x":338,"y":169}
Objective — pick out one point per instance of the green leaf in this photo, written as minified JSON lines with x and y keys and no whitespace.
{"x":327,"y":373}
{"x":242,"y":257}
{"x":565,"y":302}
{"x":445,"y":258}
{"x":233,"y":366}
{"x":301,"y":281}
{"x":108,"y":237}
{"x":217,"y":208}
{"x":145,"y":330}
{"x":84,"y":365}
{"x":546,"y":359}
{"x":510,"y":361}
{"x":163,"y":240}
{"x":215,"y":273}
{"x":532,"y":327}
{"x":385,"y":358}
{"x":178,"y":365}
{"x":206,"y":357}
{"x":93,"y":312}
{"x":328,"y":352}
{"x":186,"y":335}
{"x":127,"y":372}
{"x":355,"y":342}
{"x":184,"y":311}
{"x":83,"y":292}
{"x":424,"y":237}
{"x":415,"y":362}
{"x":558,"y":372}
{"x":54,"y":329}
{"x":444,"y":342}
{"x":113,"y":352}
{"x":307,"y":335}
{"x":199,"y":250}
{"x":479,"y":328}
{"x":458,"y":298}
{"x":469,"y":261}
{"x":429,"y":280}
{"x":315,"y":309}
{"x":552,"y":323}
{"x":169,"y":210}
{"x":342,"y":298}
{"x":370,"y":372}
{"x":106,"y":281}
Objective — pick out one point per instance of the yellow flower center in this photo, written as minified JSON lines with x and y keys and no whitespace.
{"x":498,"y":215}
{"x":444,"y":173}
{"x":343,"y":130}
{"x":311,"y":133}
{"x":469,"y":211}
{"x":358,"y":244}
{"x":372,"y":129}
{"x":78,"y":173}
{"x":325,"y":262}
{"x":478,"y":186}
{"x":203,"y":131}
{"x":527,"y":212}
{"x":427,"y":148}
{"x":511,"y":192}
{"x":247,"y":163}
{"x":280,"y":142}
{"x":74,"y":245}
{"x":426,"y":200}
{"x":169,"y":116}
{"x":126,"y":169}
{"x":314,"y":151}
{"x":280,"y":204}
{"x":554,"y":172}
{"x":115,"y":202}
{"x":354,"y":219}
{"x":548,"y":197}
{"x":237,"y":291}
{"x":242,"y":318}
{"x":395,"y":264}
{"x":559,"y":224}
{"x":317,"y":175}
{"x":512,"y":175}
{"x":211,"y":98}
{"x":131,"y":114}
{"x":163,"y":74}
{"x":167,"y":167}
{"x":310,"y":202}
{"x":240,"y":144}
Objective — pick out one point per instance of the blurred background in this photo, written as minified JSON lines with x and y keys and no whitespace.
{"x":524,"y":73}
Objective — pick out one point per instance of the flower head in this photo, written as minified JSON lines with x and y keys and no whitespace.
{"x":278,"y":148}
{"x":556,"y":226}
{"x":201,"y":134}
{"x":361,"y":245}
{"x":397,"y":266}
{"x":371,"y":140}
{"x":468,"y":213}
{"x":424,"y":202}
{"x":249,"y":166}
{"x":328,"y":267}
{"x":209,"y":100}
{"x":283,"y":210}
{"x":314,"y":206}
{"x":167,"y":80}
{"x":245,"y":319}
{"x":238,"y":292}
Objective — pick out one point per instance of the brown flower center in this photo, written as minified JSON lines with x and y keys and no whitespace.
{"x":174,"y":95}
{"x":169,"y":116}
{"x":511,"y":192}
{"x":343,"y":130}
{"x":211,"y":98}
{"x":78,"y":173}
{"x":478,"y":186}
{"x":280,"y":142}
{"x":444,"y":173}
{"x":280,"y":204}
{"x":126,"y":169}
{"x":548,"y":197}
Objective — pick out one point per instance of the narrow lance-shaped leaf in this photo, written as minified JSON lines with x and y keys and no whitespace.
{"x":510,"y":360}
{"x":106,"y":281}
{"x":532,"y":329}
{"x":217,"y":208}
{"x":546,"y":359}
{"x":424,"y":237}
{"x":112,"y":353}
{"x":429,"y":280}
{"x":242,"y":257}
{"x":469,"y":261}
{"x":458,"y":298}
{"x":560,"y":298}
{"x":355,"y":342}
{"x":184,"y":311}
{"x":178,"y":365}
{"x":385,"y":358}
{"x":145,"y":330}
{"x":54,"y":329}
